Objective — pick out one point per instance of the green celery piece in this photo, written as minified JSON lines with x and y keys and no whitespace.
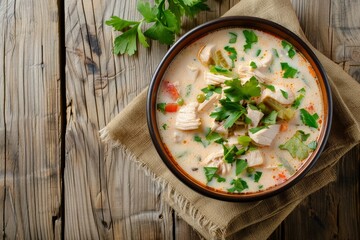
{"x":296,"y":147}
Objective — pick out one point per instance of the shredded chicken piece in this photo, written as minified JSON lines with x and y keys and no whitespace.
{"x":254,"y":158}
{"x":187,"y":118}
{"x":205,"y":54}
{"x":265,"y":136}
{"x":217,"y":160}
{"x":214,"y":79}
{"x":255,"y":116}
{"x":209,"y":103}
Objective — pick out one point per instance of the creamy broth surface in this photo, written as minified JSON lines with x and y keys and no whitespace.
{"x":247,"y":156}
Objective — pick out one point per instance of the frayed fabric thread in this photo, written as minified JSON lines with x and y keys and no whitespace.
{"x":162,"y":185}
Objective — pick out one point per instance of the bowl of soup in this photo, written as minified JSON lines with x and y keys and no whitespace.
{"x":239,"y":109}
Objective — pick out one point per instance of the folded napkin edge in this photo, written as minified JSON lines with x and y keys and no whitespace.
{"x":175,"y":198}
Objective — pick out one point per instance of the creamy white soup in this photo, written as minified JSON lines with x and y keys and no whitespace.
{"x":240,"y":110}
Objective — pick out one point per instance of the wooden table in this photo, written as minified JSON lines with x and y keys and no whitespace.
{"x":60,"y":84}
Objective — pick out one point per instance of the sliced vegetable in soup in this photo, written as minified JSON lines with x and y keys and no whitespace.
{"x":240,"y":110}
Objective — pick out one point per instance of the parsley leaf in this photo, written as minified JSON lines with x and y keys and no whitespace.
{"x":299,"y":99}
{"x":250,"y":38}
{"x":161,"y":33}
{"x":214,"y":137}
{"x":233,"y":37}
{"x":253,"y":65}
{"x":126,"y":42}
{"x":244,"y":140}
{"x":285,"y":94}
{"x":149,"y":13}
{"x":237,"y":91}
{"x":271,"y":87}
{"x":164,"y":126}
{"x":270,"y":119}
{"x":161,"y":107}
{"x":210,"y":173}
{"x":210,"y":89}
{"x":200,"y":140}
{"x":166,"y":19}
{"x":308,"y":119}
{"x":296,"y":146}
{"x":232,"y":54}
{"x":238,"y":185}
{"x":289,"y":72}
{"x":258,"y":52}
{"x":287,"y":46}
{"x":241,"y":165}
{"x":256,"y":129}
{"x":119,"y":24}
{"x":231,"y":111}
{"x":257,"y":176}
{"x":219,"y":70}
{"x":230,"y":153}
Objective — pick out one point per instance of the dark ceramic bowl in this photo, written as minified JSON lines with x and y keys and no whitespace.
{"x":200,"y":31}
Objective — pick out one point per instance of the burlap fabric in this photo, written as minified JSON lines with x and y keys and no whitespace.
{"x":216,"y":219}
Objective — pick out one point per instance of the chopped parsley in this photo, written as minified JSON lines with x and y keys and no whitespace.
{"x":232,"y":54}
{"x":299,"y":99}
{"x":258,"y":52}
{"x":289,"y":48}
{"x":161,"y":107}
{"x":241,"y":165}
{"x":233,"y":37}
{"x":219,"y":70}
{"x":289,"y":72}
{"x":285,"y":94}
{"x":256,"y":129}
{"x":188,"y":90}
{"x":270,"y":119}
{"x":250,"y":38}
{"x":308,"y":119}
{"x":238,"y":185}
{"x":257,"y":176}
{"x":214,"y":137}
{"x":209,"y":91}
{"x":271,"y":87}
{"x":164,"y":126}
{"x":237,"y":91}
{"x":230,"y":153}
{"x":253,"y":65}
{"x":210,"y":173}
{"x":200,"y":140}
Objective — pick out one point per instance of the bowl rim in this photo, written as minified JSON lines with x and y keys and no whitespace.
{"x":246,"y":22}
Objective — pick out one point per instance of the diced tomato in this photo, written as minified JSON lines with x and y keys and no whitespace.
{"x":171,"y":107}
{"x":171,"y":89}
{"x":284,"y":127}
{"x":281,"y":175}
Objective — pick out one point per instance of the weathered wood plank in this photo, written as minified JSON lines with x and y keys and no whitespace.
{"x":29,"y":120}
{"x":333,"y":27}
{"x":106,"y":196}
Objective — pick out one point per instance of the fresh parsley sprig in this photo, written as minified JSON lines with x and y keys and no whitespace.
{"x":166,"y":19}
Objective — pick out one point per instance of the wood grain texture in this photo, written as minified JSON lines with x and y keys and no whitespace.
{"x":333,"y":212}
{"x":29,"y":120}
{"x":106,"y":196}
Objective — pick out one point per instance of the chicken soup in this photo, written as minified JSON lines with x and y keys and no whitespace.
{"x":240,"y":110}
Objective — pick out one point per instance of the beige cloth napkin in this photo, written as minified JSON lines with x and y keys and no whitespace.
{"x":216,"y":219}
